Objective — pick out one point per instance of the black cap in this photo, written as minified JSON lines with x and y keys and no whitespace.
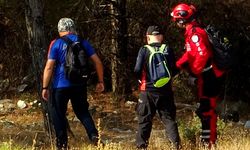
{"x":154,"y":30}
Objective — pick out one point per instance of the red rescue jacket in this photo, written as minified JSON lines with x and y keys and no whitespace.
{"x":198,"y":51}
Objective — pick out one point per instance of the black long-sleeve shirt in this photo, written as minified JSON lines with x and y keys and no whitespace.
{"x":141,"y":68}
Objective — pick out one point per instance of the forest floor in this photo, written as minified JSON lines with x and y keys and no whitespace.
{"x":116,"y":121}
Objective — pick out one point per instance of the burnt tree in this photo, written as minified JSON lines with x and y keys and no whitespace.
{"x":120,"y":82}
{"x":37,"y":45}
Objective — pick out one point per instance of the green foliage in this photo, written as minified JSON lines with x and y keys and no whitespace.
{"x":221,"y":127}
{"x":184,"y":92}
{"x":190,"y":130}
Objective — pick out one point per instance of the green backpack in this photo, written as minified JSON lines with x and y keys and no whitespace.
{"x":157,"y":66}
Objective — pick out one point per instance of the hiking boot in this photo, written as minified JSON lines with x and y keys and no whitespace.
{"x":94,"y":139}
{"x":142,"y":147}
{"x":175,"y":146}
{"x":205,"y":145}
{"x":62,"y":146}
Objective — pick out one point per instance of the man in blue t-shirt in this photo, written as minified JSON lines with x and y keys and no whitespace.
{"x":63,"y":89}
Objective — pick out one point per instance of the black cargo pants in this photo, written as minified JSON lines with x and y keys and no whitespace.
{"x":148,"y":104}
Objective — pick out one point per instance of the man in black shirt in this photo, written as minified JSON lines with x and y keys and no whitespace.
{"x":151,"y":98}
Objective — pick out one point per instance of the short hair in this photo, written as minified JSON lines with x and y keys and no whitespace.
{"x":66,"y":25}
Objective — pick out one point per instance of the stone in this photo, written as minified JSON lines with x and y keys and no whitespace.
{"x":21,"y":104}
{"x":247,"y":124}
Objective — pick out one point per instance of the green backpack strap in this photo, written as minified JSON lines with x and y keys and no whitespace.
{"x":162,"y":48}
{"x":152,"y":49}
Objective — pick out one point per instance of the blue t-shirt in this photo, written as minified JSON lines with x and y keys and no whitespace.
{"x":57,"y":52}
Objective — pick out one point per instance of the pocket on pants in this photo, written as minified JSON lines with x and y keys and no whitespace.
{"x":142,"y":106}
{"x":142,"y":109}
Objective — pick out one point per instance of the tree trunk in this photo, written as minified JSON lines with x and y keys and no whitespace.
{"x":114,"y":62}
{"x":37,"y":44}
{"x":120,"y":85}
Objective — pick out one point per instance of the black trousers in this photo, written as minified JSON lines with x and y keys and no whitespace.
{"x":58,"y":108}
{"x":148,"y":104}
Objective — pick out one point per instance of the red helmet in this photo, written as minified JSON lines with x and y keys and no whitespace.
{"x":183,"y":13}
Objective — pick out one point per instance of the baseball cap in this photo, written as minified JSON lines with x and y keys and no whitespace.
{"x":154,"y":30}
{"x":66,"y":25}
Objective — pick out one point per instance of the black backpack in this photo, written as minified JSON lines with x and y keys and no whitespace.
{"x":221,"y":46}
{"x":76,"y":61}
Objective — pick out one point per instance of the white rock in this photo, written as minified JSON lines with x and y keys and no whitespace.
{"x":247,"y":125}
{"x":21,"y":104}
{"x":130,"y":103}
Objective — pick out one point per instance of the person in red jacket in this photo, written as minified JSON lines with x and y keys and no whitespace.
{"x":197,"y":59}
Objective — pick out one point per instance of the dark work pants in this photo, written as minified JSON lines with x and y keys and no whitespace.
{"x":58,"y":108}
{"x":148,"y":104}
{"x":209,"y":88}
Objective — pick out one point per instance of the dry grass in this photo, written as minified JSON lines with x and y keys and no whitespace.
{"x":239,"y":142}
{"x":23,"y":130}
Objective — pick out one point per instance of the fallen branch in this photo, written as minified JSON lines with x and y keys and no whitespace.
{"x":184,"y":107}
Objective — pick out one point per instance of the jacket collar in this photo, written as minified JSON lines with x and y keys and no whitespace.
{"x":64,"y":33}
{"x":190,"y":26}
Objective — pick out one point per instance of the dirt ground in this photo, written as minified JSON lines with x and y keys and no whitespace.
{"x":116,"y":122}
{"x":25,"y":127}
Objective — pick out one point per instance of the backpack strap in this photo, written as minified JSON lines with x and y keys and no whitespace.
{"x":66,"y":39}
{"x":162,"y":48}
{"x":152,"y":49}
{"x":71,"y":43}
